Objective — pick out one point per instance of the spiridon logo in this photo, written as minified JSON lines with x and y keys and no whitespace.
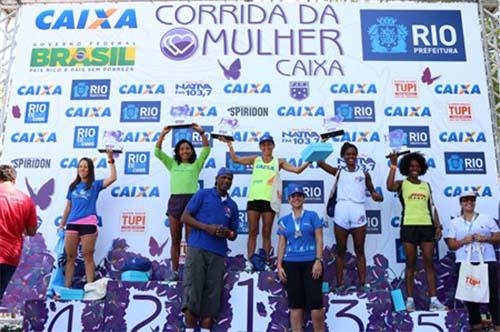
{"x":248,"y":111}
{"x":110,"y":18}
{"x":454,"y":191}
{"x":37,"y":137}
{"x":354,"y":88}
{"x":412,"y":35}
{"x":31,"y":163}
{"x":73,"y":162}
{"x":136,"y":191}
{"x":83,"y":56}
{"x":358,"y":137}
{"x":255,"y":88}
{"x":465,"y":163}
{"x":457,"y":89}
{"x":142,"y":89}
{"x":39,"y":90}
{"x":301,"y":111}
{"x":88,"y":112}
{"x":462,"y":136}
{"x":407,"y":111}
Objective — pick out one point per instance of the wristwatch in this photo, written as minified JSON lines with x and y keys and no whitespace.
{"x":319,"y":259}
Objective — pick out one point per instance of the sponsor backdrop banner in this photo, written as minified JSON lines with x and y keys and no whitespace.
{"x":87,"y":74}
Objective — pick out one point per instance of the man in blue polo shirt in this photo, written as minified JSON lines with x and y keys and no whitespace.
{"x":213,"y":218}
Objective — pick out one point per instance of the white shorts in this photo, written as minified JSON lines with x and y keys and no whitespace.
{"x":350,"y":215}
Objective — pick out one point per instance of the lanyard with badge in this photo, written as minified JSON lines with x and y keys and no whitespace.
{"x":297,"y":222}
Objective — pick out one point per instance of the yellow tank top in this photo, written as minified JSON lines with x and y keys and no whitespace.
{"x":415,"y":200}
{"x":262,"y":179}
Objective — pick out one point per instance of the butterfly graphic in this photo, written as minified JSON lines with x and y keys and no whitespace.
{"x":154,"y":247}
{"x":233,"y":71}
{"x":427,"y":76}
{"x":16,"y":112}
{"x":42,"y":197}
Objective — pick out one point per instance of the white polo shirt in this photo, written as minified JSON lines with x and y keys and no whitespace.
{"x":483,"y":225}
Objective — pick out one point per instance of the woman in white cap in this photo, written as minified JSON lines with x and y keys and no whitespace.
{"x":265,"y":168}
{"x":472,"y":228}
{"x":300,"y":261}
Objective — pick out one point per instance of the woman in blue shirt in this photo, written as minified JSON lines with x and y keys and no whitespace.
{"x":80,"y":217}
{"x":300,"y":261}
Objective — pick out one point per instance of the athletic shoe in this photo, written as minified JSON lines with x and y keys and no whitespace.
{"x":174,"y":276}
{"x":410,"y":305}
{"x":437,"y":306}
{"x":248,"y":267}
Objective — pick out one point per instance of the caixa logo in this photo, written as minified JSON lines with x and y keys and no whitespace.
{"x":374,"y":225}
{"x":37,"y":112}
{"x":72,"y":19}
{"x":249,"y":136}
{"x":407,"y":111}
{"x":297,"y":162}
{"x":140,"y":111}
{"x":140,"y":136}
{"x":35,"y":137}
{"x":413,"y":136}
{"x":465,"y":163}
{"x":137,"y":163}
{"x":90,"y":89}
{"x":243,"y":222}
{"x":85,"y":137}
{"x":192,"y":136}
{"x":301,"y":111}
{"x":314,"y":191}
{"x":366,"y":163}
{"x":186,"y":110}
{"x":355,"y":110}
{"x":248,"y":88}
{"x":88,"y":112}
{"x":353,"y":88}
{"x":462,"y":136}
{"x":135,"y":191}
{"x":412,"y":35}
{"x":358,"y":137}
{"x":142,"y":89}
{"x":457,"y":89}
{"x":66,"y":163}
{"x":400,"y":252}
{"x":39,"y":90}
{"x":239,"y":192}
{"x":238,"y":168}
{"x":454,"y":191}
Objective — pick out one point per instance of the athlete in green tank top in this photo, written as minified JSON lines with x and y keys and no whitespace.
{"x":265,"y":169}
{"x":415,"y":201}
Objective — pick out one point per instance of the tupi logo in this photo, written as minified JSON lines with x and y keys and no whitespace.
{"x":110,"y":18}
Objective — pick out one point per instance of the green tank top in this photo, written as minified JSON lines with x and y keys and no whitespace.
{"x":262,"y":179}
{"x":415,"y":199}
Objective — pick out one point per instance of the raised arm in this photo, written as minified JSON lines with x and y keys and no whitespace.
{"x":112,"y":176}
{"x":249,"y":160}
{"x":201,"y":132}
{"x":391,"y":184}
{"x":327,"y":168}
{"x":164,"y":132}
{"x":293,"y":169}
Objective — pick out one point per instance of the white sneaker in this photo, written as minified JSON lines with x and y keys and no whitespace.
{"x":437,"y":306}
{"x":410,"y":305}
{"x":248,"y":267}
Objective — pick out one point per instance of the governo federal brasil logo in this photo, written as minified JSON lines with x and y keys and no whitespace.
{"x":178,"y":44}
